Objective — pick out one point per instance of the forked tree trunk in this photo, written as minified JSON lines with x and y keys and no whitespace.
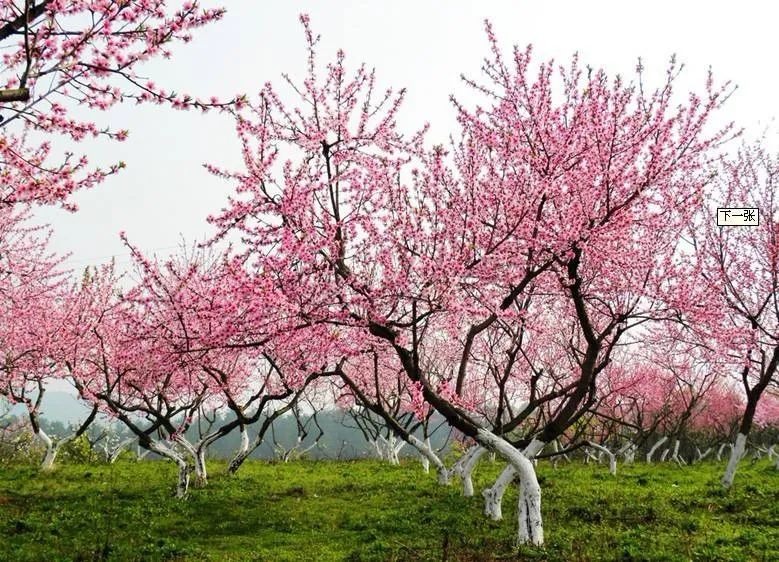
{"x":531,"y":527}
{"x":241,"y":454}
{"x":702,"y":456}
{"x":182,"y":485}
{"x":391,"y":448}
{"x":396,"y":445}
{"x":493,"y":496}
{"x":377,"y":447}
{"x":675,"y":456}
{"x":47,"y":463}
{"x":459,"y":467}
{"x":612,"y":457}
{"x":119,"y":448}
{"x":629,"y":452}
{"x":654,"y":448}
{"x":198,"y":459}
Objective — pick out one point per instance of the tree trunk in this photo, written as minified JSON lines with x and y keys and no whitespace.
{"x":119,"y":448}
{"x":377,"y":447}
{"x":47,"y":463}
{"x":201,"y":473}
{"x":427,"y":453}
{"x":493,"y":496}
{"x":701,"y":456}
{"x":612,"y":457}
{"x":397,"y":446}
{"x":182,"y":486}
{"x":679,"y":460}
{"x":467,"y":471}
{"x":741,"y":439}
{"x":735,"y":455}
{"x":665,"y":454}
{"x":531,"y":528}
{"x":630,"y":453}
{"x":654,"y":448}
{"x":241,"y":454}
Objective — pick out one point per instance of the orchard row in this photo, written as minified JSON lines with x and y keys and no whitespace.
{"x":555,"y":278}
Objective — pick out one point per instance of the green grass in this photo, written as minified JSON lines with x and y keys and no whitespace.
{"x":369,"y":510}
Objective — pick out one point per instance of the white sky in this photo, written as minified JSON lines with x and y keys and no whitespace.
{"x":165,"y":193}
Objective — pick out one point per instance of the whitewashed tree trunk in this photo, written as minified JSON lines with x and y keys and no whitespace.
{"x":397,"y":446}
{"x":201,"y":477}
{"x":51,"y":450}
{"x":735,"y":456}
{"x":388,"y":446}
{"x":588,"y":456}
{"x":675,"y":456}
{"x":556,"y":449}
{"x":141,"y":453}
{"x":377,"y":447}
{"x":702,"y":456}
{"x":427,"y":452}
{"x":630,"y":453}
{"x":457,"y":468}
{"x":654,"y":448}
{"x":493,"y":496}
{"x":391,"y":454}
{"x":722,"y":449}
{"x":665,"y":454}
{"x":119,"y":448}
{"x":241,"y":454}
{"x":611,"y":456}
{"x":182,"y":486}
{"x":425,"y":460}
{"x":624,"y":451}
{"x":201,"y":474}
{"x":531,"y":528}
{"x":467,"y":471}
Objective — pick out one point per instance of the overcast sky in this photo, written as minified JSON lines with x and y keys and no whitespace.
{"x":165,"y":194}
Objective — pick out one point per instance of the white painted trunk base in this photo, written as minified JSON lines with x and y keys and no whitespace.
{"x":611,"y":456}
{"x":467,"y":471}
{"x":654,"y":448}
{"x":428,"y":454}
{"x":531,"y":528}
{"x":735,"y":456}
{"x":493,"y":496}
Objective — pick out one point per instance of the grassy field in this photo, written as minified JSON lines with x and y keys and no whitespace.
{"x":369,"y":510}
